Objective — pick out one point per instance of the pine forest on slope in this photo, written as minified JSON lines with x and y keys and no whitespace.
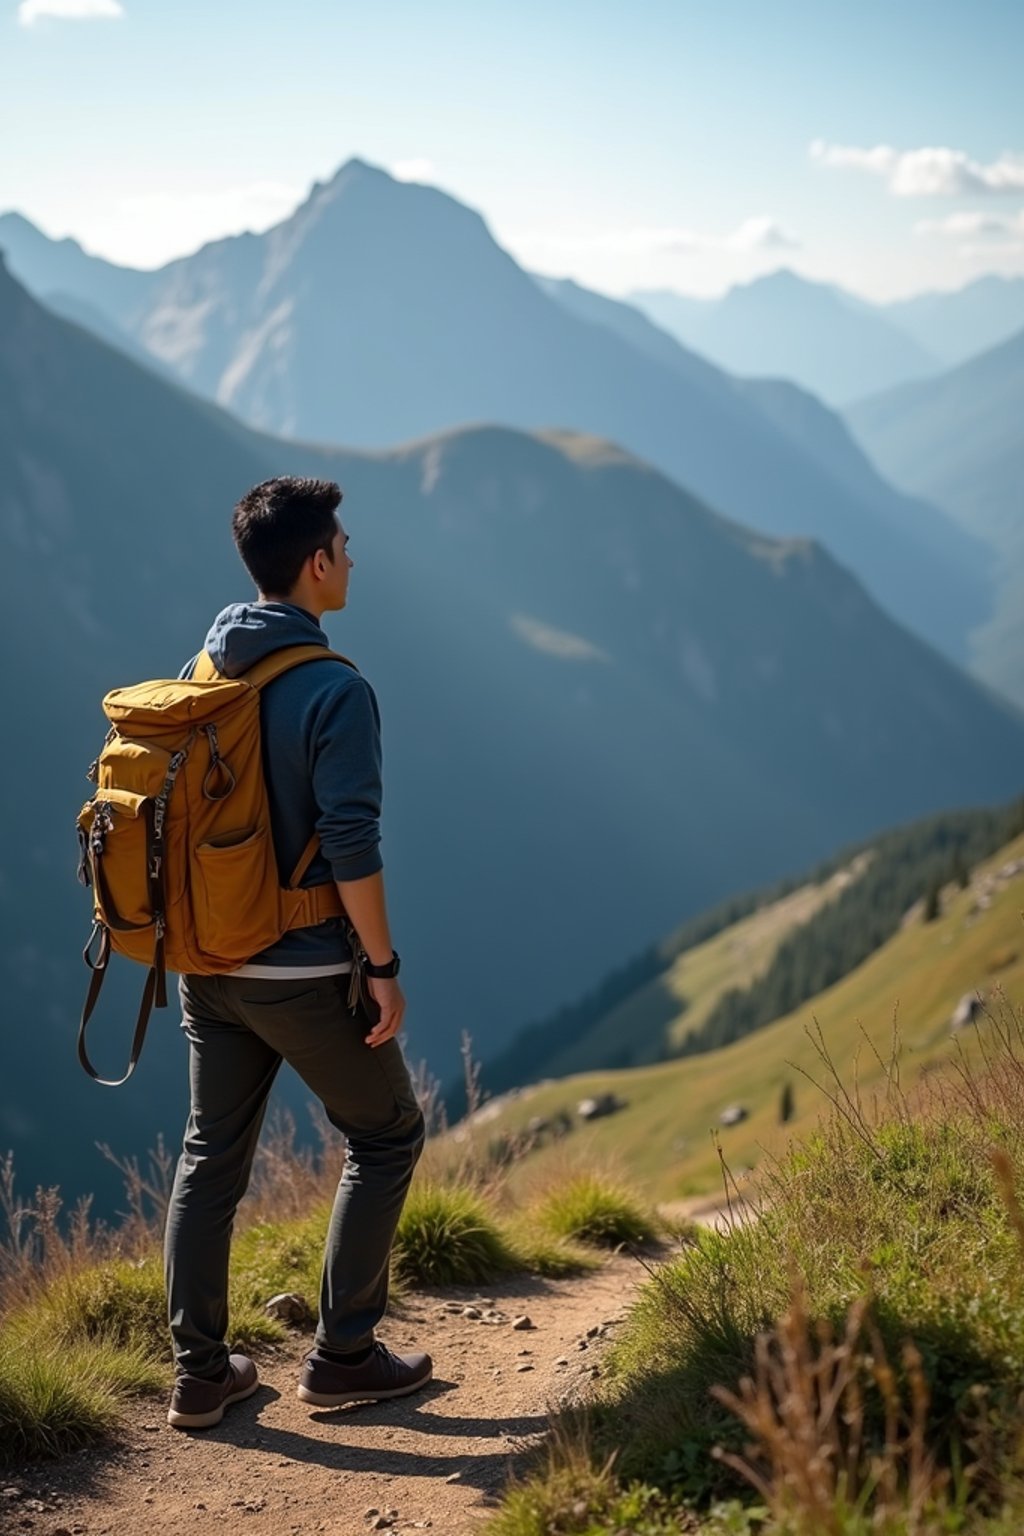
{"x":737,"y":968}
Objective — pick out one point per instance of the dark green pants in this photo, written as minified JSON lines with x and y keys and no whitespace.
{"x":239,"y":1032}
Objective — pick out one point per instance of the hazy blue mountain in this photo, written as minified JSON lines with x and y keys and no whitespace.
{"x":955,"y":325}
{"x":958,"y":440}
{"x":825,"y":436}
{"x":84,"y":313}
{"x":819,"y":432}
{"x":815,"y":334}
{"x":605,"y":706}
{"x":382,"y":311}
{"x":48,"y":266}
{"x":627,"y":321}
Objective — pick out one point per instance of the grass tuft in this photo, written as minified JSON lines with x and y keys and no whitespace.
{"x":121,"y":1302}
{"x":56,"y":1398}
{"x":589,"y":1209}
{"x":447,"y":1236}
{"x":539,"y":1253}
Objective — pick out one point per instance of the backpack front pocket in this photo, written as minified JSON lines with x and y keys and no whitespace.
{"x":234,"y":894}
{"x":115,"y":830}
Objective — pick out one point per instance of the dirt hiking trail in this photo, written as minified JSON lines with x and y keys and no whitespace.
{"x":435,"y":1461}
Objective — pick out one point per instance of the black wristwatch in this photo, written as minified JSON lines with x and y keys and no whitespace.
{"x":387,"y":970}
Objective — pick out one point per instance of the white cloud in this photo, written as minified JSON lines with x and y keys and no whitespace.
{"x":932,"y":171}
{"x":414,"y":170}
{"x":149,"y":228}
{"x":31,"y":11}
{"x":1006,"y":257}
{"x":973,"y":224}
{"x":988,"y":235}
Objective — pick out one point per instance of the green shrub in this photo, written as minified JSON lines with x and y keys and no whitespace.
{"x":590,"y":1209}
{"x":447,"y":1236}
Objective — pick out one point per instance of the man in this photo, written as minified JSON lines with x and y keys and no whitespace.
{"x":320,"y":730}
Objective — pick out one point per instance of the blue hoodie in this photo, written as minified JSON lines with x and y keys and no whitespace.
{"x":320,"y":729}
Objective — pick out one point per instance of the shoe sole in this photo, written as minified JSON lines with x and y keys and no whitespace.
{"x":214,"y":1416}
{"x":339,"y":1399}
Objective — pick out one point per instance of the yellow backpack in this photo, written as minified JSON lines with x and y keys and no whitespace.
{"x":175,"y":842}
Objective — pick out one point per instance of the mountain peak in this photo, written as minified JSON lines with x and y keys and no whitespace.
{"x":784,"y":280}
{"x":20,"y":228}
{"x":354,"y":169}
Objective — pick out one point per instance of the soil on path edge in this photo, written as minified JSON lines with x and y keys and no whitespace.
{"x":437,"y":1460}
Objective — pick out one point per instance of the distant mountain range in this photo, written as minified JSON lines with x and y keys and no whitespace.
{"x":956,"y":325}
{"x":832,"y":342}
{"x":959,"y":440}
{"x":605,"y":706}
{"x":784,"y":326}
{"x":382,"y":311}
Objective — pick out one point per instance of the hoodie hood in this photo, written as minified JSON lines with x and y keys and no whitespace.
{"x":243,"y":633}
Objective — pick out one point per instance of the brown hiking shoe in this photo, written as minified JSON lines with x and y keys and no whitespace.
{"x":197,"y":1402}
{"x":326,"y":1384}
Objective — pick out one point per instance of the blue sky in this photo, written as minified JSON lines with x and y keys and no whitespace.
{"x":673,"y":145}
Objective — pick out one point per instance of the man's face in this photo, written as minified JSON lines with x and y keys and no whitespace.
{"x":334,"y":576}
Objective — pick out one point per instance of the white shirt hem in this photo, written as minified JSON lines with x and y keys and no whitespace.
{"x":295,"y":972}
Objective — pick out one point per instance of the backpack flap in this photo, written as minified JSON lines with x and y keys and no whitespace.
{"x":172,"y":707}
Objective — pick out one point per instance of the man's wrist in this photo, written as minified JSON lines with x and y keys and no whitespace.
{"x":385,"y":969}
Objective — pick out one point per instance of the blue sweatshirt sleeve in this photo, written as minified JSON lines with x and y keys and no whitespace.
{"x":346,"y":774}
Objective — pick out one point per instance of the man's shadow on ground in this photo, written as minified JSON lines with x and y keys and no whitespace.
{"x":484,"y":1470}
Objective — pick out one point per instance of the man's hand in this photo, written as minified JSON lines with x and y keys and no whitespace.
{"x":387,"y":993}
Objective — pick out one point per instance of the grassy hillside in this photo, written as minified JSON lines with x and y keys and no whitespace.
{"x":737,"y":967}
{"x":664,"y":1135}
{"x":656,"y":1018}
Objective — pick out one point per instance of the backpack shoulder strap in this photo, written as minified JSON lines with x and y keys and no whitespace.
{"x":290,"y":656}
{"x":271,"y":666}
{"x":259,"y":676}
{"x":204,"y":670}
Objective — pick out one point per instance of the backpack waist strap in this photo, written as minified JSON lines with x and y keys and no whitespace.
{"x":303,"y":909}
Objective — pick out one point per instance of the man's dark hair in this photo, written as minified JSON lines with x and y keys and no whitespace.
{"x":279,"y":524}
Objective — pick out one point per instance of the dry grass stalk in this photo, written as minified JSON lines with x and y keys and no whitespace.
{"x":33,"y":1247}
{"x":809,"y":1460}
{"x":1006,"y":1182}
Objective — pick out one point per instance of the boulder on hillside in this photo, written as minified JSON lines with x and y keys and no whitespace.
{"x":967,"y":1011}
{"x":600,"y":1104}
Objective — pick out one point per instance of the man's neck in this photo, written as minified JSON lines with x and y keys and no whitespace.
{"x":292,"y":602}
